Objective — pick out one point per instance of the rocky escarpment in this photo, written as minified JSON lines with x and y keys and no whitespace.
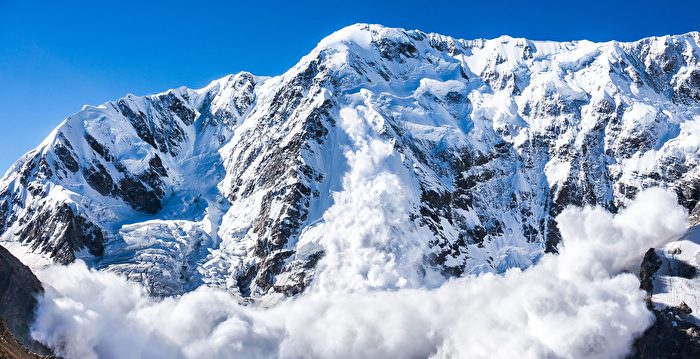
{"x":227,"y":185}
{"x":19,"y":289}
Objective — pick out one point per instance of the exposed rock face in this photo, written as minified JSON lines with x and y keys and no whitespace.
{"x":669,"y":337}
{"x":223,"y":185}
{"x":10,"y":348}
{"x":650,"y":265}
{"x":19,"y":289}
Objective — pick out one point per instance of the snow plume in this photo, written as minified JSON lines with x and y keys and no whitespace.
{"x":372,"y":299}
{"x":367,"y":235}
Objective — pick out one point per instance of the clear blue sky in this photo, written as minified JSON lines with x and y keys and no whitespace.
{"x":56,"y":56}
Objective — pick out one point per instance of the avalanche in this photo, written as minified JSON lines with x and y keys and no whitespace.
{"x":576,"y":304}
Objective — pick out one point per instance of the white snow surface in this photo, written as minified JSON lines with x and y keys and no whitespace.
{"x":677,"y":280}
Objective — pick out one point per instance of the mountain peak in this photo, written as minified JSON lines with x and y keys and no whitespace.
{"x":360,"y":34}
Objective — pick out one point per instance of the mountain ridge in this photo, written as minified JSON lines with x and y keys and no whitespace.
{"x":231,"y":185}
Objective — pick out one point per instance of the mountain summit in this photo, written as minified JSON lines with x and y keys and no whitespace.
{"x":413,"y":150}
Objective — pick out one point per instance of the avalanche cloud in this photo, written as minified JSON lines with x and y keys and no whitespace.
{"x":581,"y":303}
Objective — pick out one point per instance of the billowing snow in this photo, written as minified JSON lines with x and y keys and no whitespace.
{"x":576,"y":304}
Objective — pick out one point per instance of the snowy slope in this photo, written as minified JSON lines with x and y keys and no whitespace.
{"x":410,"y":150}
{"x":676,"y":281}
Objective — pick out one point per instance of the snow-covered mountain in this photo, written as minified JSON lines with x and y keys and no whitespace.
{"x":467,"y":148}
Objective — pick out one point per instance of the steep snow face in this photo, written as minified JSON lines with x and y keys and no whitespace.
{"x":130,"y":183}
{"x":391,"y":158}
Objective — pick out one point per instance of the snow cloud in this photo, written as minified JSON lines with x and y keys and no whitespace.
{"x":369,"y":241}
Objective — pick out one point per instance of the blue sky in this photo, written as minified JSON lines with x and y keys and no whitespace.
{"x":56,"y":56}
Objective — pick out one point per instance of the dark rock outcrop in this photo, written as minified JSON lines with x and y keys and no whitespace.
{"x":11,"y":348}
{"x":650,"y":264}
{"x":671,"y":336}
{"x":19,"y":289}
